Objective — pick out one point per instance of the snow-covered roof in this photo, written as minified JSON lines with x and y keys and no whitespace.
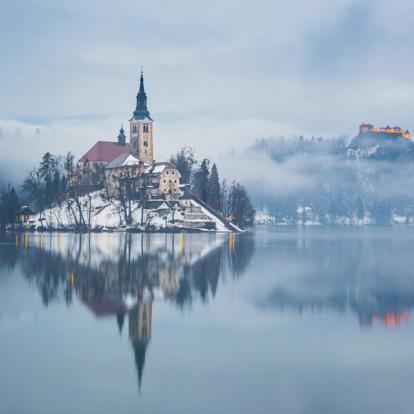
{"x":26,"y":210}
{"x":123,"y":160}
{"x":159,"y":167}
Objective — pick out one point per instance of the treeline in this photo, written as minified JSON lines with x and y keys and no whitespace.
{"x":9,"y":207}
{"x":44,"y":185}
{"x":229,"y":199}
{"x":47,"y":183}
{"x":281,"y":149}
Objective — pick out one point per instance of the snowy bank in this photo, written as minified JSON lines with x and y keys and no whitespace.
{"x":96,"y":212}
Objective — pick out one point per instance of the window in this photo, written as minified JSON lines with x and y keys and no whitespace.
{"x":165,"y":181}
{"x":172,"y":172}
{"x":145,"y":128}
{"x":134,"y":129}
{"x":145,"y":143}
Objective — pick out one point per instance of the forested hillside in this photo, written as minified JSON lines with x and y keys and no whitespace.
{"x":367,"y":179}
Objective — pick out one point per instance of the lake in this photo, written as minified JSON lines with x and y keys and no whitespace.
{"x":286,"y":320}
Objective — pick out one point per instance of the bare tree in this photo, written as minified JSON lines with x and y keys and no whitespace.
{"x":128,"y":183}
{"x":171,"y":200}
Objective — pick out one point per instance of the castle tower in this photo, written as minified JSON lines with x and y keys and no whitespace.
{"x":141,"y":128}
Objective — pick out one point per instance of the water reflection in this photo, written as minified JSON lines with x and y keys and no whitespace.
{"x":264,"y":322}
{"x":120,"y":275}
{"x":369,"y":275}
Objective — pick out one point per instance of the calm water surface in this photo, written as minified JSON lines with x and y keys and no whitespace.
{"x":279,"y":321}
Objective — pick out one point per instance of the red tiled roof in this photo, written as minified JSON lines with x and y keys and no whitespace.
{"x":105,"y":151}
{"x":366,"y":126}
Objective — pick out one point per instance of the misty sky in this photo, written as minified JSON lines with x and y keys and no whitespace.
{"x":218,"y":74}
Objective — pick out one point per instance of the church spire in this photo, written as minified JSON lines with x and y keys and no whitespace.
{"x":141,"y":110}
{"x":141,"y":84}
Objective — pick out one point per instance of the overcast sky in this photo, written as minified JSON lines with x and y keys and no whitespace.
{"x":218,"y":74}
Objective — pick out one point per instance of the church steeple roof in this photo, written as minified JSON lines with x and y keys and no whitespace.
{"x":141,"y":110}
{"x":121,"y":136}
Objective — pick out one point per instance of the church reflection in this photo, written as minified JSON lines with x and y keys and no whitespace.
{"x":122,"y":276}
{"x":140,"y":321}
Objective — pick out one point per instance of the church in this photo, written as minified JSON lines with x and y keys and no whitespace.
{"x":109,"y":161}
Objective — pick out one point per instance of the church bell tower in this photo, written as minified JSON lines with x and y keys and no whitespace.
{"x":141,"y":128}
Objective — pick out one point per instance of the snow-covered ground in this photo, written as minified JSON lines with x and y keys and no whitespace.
{"x":100,"y":213}
{"x":363,"y":153}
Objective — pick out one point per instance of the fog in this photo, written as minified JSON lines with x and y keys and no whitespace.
{"x":23,"y":144}
{"x":218,"y":76}
{"x":283,"y":174}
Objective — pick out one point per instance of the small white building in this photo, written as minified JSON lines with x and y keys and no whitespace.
{"x":164,"y":178}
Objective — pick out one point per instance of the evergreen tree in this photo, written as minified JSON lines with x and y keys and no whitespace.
{"x":214,"y":189}
{"x":9,"y":207}
{"x":47,"y":167}
{"x":47,"y":171}
{"x":201,"y":180}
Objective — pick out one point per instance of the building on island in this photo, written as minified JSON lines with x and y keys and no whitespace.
{"x":163,"y":177}
{"x":26,"y":214}
{"x":108,"y":163}
{"x":90,"y":166}
{"x":124,"y":171}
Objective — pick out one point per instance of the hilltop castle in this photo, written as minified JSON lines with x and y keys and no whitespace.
{"x":109,"y":161}
{"x":386,"y":132}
